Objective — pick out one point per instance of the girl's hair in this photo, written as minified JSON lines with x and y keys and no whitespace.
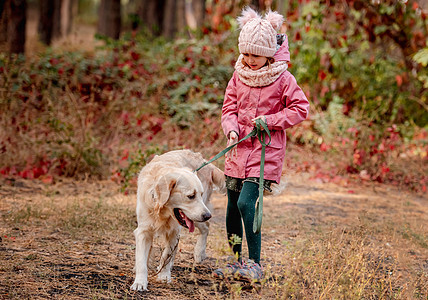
{"x":270,"y":60}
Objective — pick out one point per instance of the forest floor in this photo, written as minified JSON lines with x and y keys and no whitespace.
{"x":74,"y":240}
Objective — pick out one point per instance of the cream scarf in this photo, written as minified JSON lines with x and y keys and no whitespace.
{"x":261,"y":77}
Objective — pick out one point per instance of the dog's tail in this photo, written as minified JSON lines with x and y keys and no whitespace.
{"x":218,"y":179}
{"x":277,"y":188}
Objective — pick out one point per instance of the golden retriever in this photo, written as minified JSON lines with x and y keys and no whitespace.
{"x":170,"y":196}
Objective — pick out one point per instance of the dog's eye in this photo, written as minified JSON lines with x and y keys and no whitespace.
{"x":191,"y":196}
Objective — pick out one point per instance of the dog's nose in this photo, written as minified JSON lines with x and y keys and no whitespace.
{"x":206,"y":216}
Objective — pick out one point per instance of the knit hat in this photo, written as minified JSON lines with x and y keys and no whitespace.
{"x":258,"y":35}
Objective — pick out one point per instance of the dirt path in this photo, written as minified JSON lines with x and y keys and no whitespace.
{"x":74,"y":241}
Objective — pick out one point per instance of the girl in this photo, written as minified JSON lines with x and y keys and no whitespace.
{"x":261,"y":87}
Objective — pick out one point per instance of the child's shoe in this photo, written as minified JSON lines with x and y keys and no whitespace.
{"x":251,"y":271}
{"x":231,"y":270}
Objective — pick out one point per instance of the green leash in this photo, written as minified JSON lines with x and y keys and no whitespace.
{"x":261,"y":135}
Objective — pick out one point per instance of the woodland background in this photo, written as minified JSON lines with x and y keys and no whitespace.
{"x":92,"y":89}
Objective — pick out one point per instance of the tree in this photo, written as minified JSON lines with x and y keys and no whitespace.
{"x":167,"y":17}
{"x":68,"y":11}
{"x":109,"y":22}
{"x":259,"y":5}
{"x":55,"y":19}
{"x":194,"y":13}
{"x":151,"y":15}
{"x":49,"y":20}
{"x":3,"y":24}
{"x":170,"y":10}
{"x":17,"y":20}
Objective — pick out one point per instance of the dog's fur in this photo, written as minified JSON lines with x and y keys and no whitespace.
{"x":169,"y":190}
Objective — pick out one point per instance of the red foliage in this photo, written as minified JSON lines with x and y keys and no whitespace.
{"x":322,"y":75}
{"x":33,"y":170}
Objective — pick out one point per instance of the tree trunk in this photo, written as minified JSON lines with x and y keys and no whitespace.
{"x":199,"y":10}
{"x":180,"y":16}
{"x":167,"y":17}
{"x":258,"y":5}
{"x":56,"y":24}
{"x":195,"y":13}
{"x":46,"y":11}
{"x":174,"y":17}
{"x":16,"y":25}
{"x":109,"y":22}
{"x":49,"y":27}
{"x":3,"y":24}
{"x":151,"y":14}
{"x":67,"y":16}
{"x":169,"y":22}
{"x":280,"y":7}
{"x":190,"y":15}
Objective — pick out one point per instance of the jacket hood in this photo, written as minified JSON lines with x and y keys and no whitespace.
{"x":283,"y":54}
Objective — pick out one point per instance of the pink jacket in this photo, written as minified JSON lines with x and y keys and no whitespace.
{"x":284,"y":105}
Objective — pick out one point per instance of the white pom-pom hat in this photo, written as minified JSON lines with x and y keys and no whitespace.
{"x":258,"y":35}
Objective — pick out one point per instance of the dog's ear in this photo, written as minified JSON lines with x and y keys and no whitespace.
{"x":162,"y":190}
{"x":218,"y":179}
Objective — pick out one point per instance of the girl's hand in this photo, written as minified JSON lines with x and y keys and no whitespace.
{"x":263,"y":118}
{"x":233,"y":138}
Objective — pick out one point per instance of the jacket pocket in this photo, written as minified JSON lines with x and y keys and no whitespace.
{"x":277,"y":139}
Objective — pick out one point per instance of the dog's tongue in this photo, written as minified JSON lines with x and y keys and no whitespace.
{"x":189,"y":222}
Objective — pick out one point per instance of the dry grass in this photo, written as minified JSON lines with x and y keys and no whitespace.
{"x":74,"y":240}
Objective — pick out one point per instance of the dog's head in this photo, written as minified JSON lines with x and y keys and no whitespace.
{"x":180,"y":190}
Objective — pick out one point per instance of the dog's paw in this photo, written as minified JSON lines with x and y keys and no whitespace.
{"x":139,"y":285}
{"x":199,"y":257}
{"x":164,"y":277}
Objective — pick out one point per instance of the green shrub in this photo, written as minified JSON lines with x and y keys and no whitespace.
{"x":74,"y":113}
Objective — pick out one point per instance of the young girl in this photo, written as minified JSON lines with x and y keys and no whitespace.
{"x":260,"y":88}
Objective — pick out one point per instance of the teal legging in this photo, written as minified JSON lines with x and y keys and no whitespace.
{"x":241,"y":206}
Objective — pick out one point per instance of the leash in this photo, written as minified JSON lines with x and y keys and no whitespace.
{"x":261,"y":135}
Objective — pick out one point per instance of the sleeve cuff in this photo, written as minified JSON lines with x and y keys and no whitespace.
{"x":228,"y":135}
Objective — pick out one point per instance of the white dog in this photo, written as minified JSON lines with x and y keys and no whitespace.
{"x":170,"y":196}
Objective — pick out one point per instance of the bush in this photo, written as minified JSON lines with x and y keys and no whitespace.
{"x":72,"y":114}
{"x":347,"y":51}
{"x":75,"y":114}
